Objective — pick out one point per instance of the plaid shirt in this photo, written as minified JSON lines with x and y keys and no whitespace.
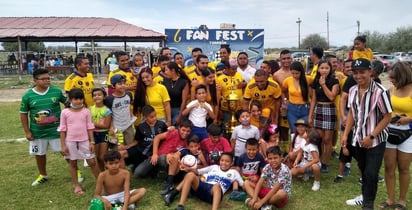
{"x":369,"y":111}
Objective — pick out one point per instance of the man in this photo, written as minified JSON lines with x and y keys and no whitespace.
{"x":316,"y":54}
{"x":224,"y":53}
{"x":279,"y":76}
{"x":40,"y":116}
{"x":195,"y":76}
{"x":165,"y":51}
{"x":369,"y":114}
{"x":244,"y":68}
{"x":82,"y":79}
{"x":123,"y":69}
{"x":195,"y":52}
{"x":162,"y":62}
{"x":268,"y":93}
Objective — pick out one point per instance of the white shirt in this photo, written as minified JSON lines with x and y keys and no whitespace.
{"x":213,"y":174}
{"x":248,"y":73}
{"x":198,"y":114}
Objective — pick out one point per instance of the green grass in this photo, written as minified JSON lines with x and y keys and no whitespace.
{"x":18,"y":170}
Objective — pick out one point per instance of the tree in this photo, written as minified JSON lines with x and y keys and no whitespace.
{"x":401,"y":40}
{"x":314,"y":40}
{"x":376,"y":41}
{"x":31,"y":46}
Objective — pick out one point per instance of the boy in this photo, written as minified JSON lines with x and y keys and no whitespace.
{"x":251,"y":162}
{"x":40,"y":115}
{"x":209,"y":187}
{"x":274,"y":185}
{"x":119,"y":102}
{"x":115,"y":183}
{"x":141,"y":147}
{"x":369,"y":114}
{"x":243,"y":132}
{"x":192,"y":148}
{"x":214,"y":145}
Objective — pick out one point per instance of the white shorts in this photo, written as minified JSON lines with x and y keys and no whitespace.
{"x":114,"y":198}
{"x":39,"y":146}
{"x":79,"y":150}
{"x":406,"y":146}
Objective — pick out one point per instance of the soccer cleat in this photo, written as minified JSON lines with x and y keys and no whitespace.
{"x":380,"y":179}
{"x":338,"y":179}
{"x":266,"y":207}
{"x":166,"y":189}
{"x":40,"y":180}
{"x":170,"y":196}
{"x":80,"y":178}
{"x":180,"y":207}
{"x":357,"y":201}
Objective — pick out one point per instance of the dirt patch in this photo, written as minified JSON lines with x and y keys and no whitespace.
{"x":11,"y":95}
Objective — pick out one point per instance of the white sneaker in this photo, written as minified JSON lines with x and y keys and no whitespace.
{"x":266,"y":207}
{"x":85,"y":163}
{"x":316,"y":185}
{"x":357,"y":201}
{"x":131,"y":207}
{"x":247,"y":201}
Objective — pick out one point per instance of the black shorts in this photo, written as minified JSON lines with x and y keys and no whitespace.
{"x":347,"y":159}
{"x":204,"y":192}
{"x":135,"y":157}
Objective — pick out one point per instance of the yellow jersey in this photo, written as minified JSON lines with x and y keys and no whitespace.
{"x":367,"y":54}
{"x":131,"y":80}
{"x":85,"y":83}
{"x":266,"y":96}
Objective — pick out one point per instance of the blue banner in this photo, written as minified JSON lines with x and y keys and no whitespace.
{"x":250,"y":41}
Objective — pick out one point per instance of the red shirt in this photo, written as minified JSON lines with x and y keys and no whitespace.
{"x":207,"y":146}
{"x":172,"y":143}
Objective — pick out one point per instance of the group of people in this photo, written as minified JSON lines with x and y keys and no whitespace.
{"x":150,"y":118}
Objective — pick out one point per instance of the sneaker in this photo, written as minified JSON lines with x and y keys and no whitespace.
{"x":85,"y":164}
{"x":180,"y":207}
{"x":316,"y":185}
{"x":357,"y":201}
{"x":324,"y":169}
{"x":40,"y":180}
{"x":360,"y":181}
{"x":266,"y":207}
{"x":237,"y":195}
{"x":170,"y":196}
{"x":131,"y":207}
{"x":338,"y":179}
{"x":380,"y":179}
{"x":346,"y":171}
{"x":80,"y":178}
{"x":247,"y":201}
{"x":335,"y":154}
{"x":166,"y":189}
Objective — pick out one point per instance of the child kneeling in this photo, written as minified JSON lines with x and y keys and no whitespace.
{"x":115,"y":183}
{"x":274,"y":185}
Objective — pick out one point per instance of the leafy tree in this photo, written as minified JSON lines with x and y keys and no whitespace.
{"x":376,"y":41}
{"x":31,"y":46}
{"x":314,"y":40}
{"x":401,"y":40}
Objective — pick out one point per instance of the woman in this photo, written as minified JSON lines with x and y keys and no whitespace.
{"x":213,"y":89}
{"x":296,"y":90}
{"x":322,"y":114}
{"x":177,"y":85}
{"x":399,"y":156}
{"x":153,"y":94}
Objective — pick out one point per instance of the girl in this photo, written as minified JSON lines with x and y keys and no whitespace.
{"x":295,"y":88}
{"x":322,"y":114}
{"x":361,"y":51}
{"x":177,"y":85}
{"x":270,"y":138}
{"x":154,"y":94}
{"x":198,"y":111}
{"x":258,"y":117}
{"x":102,"y":119}
{"x":76,"y":136}
{"x":299,"y":137}
{"x":138,"y":64}
{"x":307,"y":160}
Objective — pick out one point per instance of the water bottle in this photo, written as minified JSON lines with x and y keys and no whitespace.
{"x":284,"y":108}
{"x":119,"y":135}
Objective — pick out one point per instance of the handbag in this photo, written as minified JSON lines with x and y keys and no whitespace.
{"x":398,"y":136}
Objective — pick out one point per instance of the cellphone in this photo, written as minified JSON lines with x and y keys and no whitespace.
{"x":395,"y":119}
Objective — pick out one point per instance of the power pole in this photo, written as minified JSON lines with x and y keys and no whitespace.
{"x":298,"y":22}
{"x":358,"y":23}
{"x":327,"y":27}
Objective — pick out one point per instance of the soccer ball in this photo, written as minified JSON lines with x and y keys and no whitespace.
{"x":189,"y":161}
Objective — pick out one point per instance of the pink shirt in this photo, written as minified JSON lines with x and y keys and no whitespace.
{"x":76,"y":124}
{"x":172,"y":143}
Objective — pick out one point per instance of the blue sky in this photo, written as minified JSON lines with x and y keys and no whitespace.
{"x":277,"y":18}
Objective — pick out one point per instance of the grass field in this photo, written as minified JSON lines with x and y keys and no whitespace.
{"x":18,"y":170}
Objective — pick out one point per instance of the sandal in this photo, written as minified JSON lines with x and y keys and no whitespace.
{"x":78,"y":191}
{"x":399,"y":206}
{"x":385,"y":205}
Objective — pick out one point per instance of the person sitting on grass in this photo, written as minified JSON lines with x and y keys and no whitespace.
{"x":115,"y":183}
{"x":192,"y":148}
{"x":210,"y":187}
{"x":214,"y":145}
{"x":308,"y":160}
{"x":274,"y":185}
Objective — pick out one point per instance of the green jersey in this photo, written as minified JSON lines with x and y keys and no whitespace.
{"x":44,"y":111}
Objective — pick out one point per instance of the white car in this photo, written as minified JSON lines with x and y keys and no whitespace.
{"x":402,"y":56}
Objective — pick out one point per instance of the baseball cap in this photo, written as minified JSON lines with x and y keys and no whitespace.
{"x":361,"y":63}
{"x":117,"y":78}
{"x":220,"y":66}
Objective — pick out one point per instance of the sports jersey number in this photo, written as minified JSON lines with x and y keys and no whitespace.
{"x":35,"y":148}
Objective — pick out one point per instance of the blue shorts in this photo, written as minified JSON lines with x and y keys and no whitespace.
{"x":204,"y":192}
{"x":100,"y":137}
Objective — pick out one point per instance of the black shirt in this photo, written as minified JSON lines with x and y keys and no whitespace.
{"x":320,"y":94}
{"x":175,"y":88}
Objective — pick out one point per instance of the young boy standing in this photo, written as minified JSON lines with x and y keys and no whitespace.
{"x":115,"y":183}
{"x":40,"y":115}
{"x":274,"y":185}
{"x":210,"y":187}
{"x":369,"y":114}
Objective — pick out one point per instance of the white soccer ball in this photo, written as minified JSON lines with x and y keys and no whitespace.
{"x":189,"y":161}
